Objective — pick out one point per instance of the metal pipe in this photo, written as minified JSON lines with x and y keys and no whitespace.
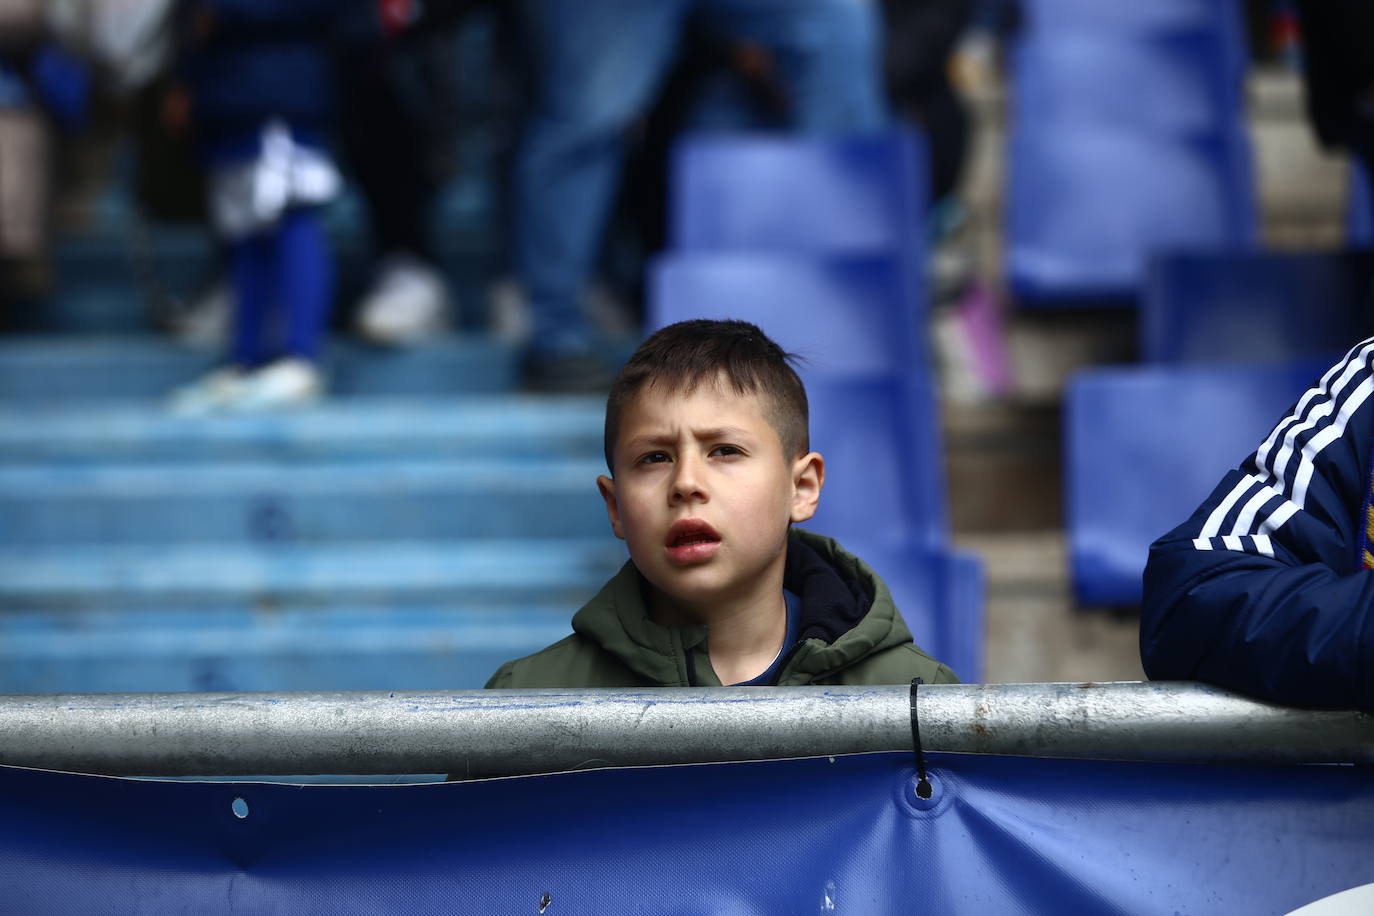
{"x":516,"y":732}
{"x":1138,"y":720}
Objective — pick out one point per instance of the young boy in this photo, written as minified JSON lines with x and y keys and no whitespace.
{"x":707,"y":445}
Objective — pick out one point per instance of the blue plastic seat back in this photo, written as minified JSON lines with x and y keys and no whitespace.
{"x":1145,"y":446}
{"x":807,"y":194}
{"x":1087,"y":207}
{"x":1128,"y":136}
{"x":941,"y":595}
{"x":850,"y":314}
{"x":1083,"y":78}
{"x":1210,"y":34}
{"x":1137,"y":19}
{"x":1255,"y":307}
{"x":884,"y":463}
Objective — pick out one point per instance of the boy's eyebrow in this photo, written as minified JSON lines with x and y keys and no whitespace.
{"x":722,"y":432}
{"x":667,"y":438}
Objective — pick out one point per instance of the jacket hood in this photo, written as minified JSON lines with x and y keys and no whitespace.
{"x":847,"y":614}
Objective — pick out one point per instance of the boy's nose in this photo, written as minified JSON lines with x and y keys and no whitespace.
{"x":687,"y":483}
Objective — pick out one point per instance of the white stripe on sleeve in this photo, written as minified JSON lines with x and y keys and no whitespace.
{"x":1213,"y":524}
{"x":1276,"y":518}
{"x":1324,"y":438}
{"x":1321,"y":412}
{"x":1343,"y":372}
{"x":1332,"y":397}
{"x":1355,"y":356}
{"x":1246,"y":520}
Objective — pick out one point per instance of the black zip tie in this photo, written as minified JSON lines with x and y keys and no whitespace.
{"x":923,"y":788}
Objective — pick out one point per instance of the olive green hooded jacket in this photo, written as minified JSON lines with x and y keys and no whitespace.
{"x":849,"y":633}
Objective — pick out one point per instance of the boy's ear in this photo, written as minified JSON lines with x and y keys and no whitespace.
{"x":607,"y":487}
{"x":808,"y":477}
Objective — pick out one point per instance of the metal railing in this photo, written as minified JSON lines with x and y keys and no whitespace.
{"x":516,"y":732}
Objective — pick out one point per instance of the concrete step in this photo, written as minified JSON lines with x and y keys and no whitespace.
{"x":469,"y":425}
{"x":341,"y":648}
{"x":468,"y":573}
{"x":300,"y":503}
{"x":48,"y":369}
{"x":1034,"y":632}
{"x":129,"y":283}
{"x":104,"y":282}
{"x":1003,"y":463}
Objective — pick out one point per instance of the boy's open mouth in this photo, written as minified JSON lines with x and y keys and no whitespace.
{"x":691,"y":540}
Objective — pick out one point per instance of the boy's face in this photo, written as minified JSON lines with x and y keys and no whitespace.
{"x":703,"y":494}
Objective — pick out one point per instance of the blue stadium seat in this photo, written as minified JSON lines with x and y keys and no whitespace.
{"x":854,"y":194}
{"x":850,"y":314}
{"x":1145,"y":445}
{"x":1087,"y":207}
{"x":1128,"y":137}
{"x":884,"y":463}
{"x":1211,"y":33}
{"x":884,"y":499}
{"x":1255,"y":307}
{"x":1140,"y":19}
{"x":1062,"y":80}
{"x":941,"y":595}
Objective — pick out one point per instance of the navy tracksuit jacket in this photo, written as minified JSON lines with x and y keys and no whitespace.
{"x":1268,"y":588}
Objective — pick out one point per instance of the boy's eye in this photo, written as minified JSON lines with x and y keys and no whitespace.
{"x":723,"y":450}
{"x":654,"y":458}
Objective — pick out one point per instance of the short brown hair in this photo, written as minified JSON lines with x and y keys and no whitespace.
{"x":683,"y":355}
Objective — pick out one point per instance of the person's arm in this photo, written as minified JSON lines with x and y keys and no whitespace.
{"x":1263,"y":590}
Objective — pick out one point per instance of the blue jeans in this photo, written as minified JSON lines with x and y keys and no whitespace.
{"x":596,"y":66}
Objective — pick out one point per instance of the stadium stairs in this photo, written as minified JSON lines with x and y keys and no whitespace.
{"x":421,"y":526}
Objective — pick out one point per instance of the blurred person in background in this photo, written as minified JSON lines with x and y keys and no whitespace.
{"x":921,"y":38}
{"x":23,"y":143}
{"x":383,"y":141}
{"x":1338,"y":71}
{"x":41,"y":86}
{"x":396,"y":102}
{"x":733,"y":83}
{"x":259,"y":97}
{"x":398,"y":65}
{"x":594,"y":67}
{"x":936,"y":51}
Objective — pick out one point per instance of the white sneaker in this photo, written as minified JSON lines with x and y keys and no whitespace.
{"x":286,"y":384}
{"x":213,"y":392}
{"x":408,"y":303}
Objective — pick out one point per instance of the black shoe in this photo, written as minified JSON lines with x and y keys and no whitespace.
{"x":579,"y":372}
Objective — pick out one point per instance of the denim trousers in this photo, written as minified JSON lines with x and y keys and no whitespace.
{"x":595,"y":66}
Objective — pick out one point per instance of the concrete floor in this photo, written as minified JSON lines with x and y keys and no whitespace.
{"x":1033,"y":631}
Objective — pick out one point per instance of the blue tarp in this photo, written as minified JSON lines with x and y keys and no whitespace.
{"x":844,"y":835}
